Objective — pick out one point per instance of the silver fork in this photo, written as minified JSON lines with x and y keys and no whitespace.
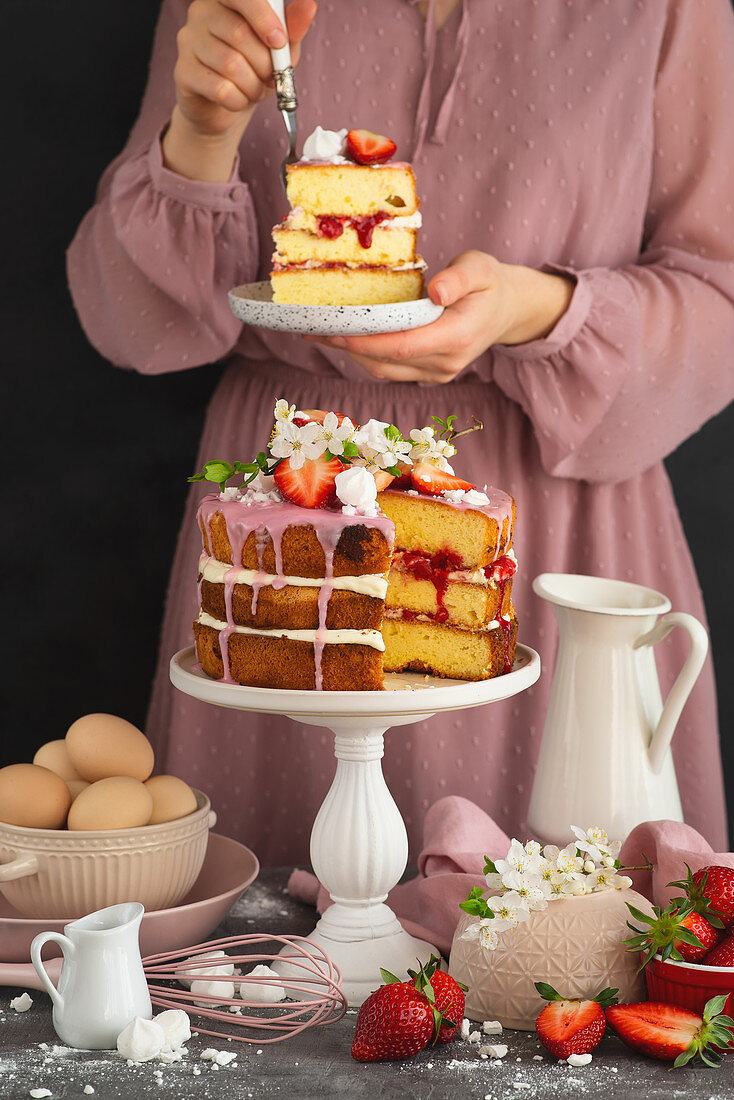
{"x":285,"y":91}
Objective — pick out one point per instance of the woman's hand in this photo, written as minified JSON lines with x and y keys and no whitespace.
{"x":223,"y":71}
{"x":486,"y":302}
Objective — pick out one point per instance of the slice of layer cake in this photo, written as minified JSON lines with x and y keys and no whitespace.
{"x":350,"y":237}
{"x":448,"y":609}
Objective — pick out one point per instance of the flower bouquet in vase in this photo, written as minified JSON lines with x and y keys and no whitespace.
{"x":555,"y":915}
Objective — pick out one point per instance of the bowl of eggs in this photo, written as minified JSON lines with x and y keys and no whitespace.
{"x":88,"y":825}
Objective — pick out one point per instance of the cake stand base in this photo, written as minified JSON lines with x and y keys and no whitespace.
{"x":359,"y":961}
{"x":359,"y":846}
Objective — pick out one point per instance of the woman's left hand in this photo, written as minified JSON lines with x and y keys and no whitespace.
{"x":486,"y":302}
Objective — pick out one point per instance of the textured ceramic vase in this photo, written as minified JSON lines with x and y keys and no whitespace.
{"x":574,"y":945}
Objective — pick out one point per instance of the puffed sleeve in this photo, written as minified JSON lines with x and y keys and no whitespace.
{"x":644,"y":354}
{"x":152,"y":261}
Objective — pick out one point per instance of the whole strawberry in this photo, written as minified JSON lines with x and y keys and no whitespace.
{"x":711,"y":891}
{"x":396,"y":1021}
{"x":448,"y":997}
{"x":722,"y":954}
{"x":677,"y":932}
{"x":570,"y":1025}
{"x":674,"y":1034}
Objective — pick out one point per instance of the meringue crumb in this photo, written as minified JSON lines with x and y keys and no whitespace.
{"x":22,"y":1004}
{"x":492,"y":1027}
{"x":578,"y":1059}
{"x":495,"y":1050}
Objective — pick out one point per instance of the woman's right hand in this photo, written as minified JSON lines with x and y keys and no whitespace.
{"x":223,"y":71}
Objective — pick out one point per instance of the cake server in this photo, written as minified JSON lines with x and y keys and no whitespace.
{"x":285,"y":90}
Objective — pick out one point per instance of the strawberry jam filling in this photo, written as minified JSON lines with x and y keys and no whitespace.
{"x":333,"y":227}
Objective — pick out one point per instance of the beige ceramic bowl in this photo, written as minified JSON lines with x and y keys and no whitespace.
{"x":55,"y":874}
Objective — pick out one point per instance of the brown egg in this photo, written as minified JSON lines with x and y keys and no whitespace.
{"x":118,"y":802}
{"x":101,"y":746}
{"x":172,"y":798}
{"x":76,"y":786}
{"x":33,"y":796}
{"x":54,"y":756}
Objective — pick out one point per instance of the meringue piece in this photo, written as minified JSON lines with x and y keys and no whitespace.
{"x":222,"y":990}
{"x":264,"y":992}
{"x":495,"y":1050}
{"x":176,"y":1028}
{"x":492,"y":1027}
{"x":38,"y":1094}
{"x":21,"y":1003}
{"x":218,"y":1057}
{"x":189,"y":972}
{"x":578,"y":1059}
{"x":141,"y":1040}
{"x":465,"y":1028}
{"x":328,"y":145}
{"x":356,"y":487}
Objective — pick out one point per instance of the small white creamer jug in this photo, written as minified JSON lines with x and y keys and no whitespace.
{"x":605,"y":755}
{"x":102,"y":985}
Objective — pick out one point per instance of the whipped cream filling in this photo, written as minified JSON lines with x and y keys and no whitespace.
{"x":372,"y":638}
{"x":309,"y":223}
{"x":217,"y":572}
{"x":397,"y":613}
{"x":307,"y":265}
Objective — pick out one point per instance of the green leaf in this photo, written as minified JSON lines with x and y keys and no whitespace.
{"x":489,"y":867}
{"x":196,"y":477}
{"x":547,"y":992}
{"x":388,"y":978}
{"x":393,"y":434}
{"x":351,"y":450}
{"x":607,"y":996}
{"x":714,"y":1006}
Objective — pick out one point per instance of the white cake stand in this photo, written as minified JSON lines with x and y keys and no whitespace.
{"x":359,"y":846}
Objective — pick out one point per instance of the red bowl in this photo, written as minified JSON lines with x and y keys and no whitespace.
{"x":689,"y":985}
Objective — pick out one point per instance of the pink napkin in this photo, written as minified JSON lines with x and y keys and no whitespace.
{"x":669,"y":845}
{"x":457,"y":836}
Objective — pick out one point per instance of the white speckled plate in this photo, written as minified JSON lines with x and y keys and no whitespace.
{"x":253,"y":303}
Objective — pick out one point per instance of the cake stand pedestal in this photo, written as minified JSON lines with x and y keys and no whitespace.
{"x":359,"y":846}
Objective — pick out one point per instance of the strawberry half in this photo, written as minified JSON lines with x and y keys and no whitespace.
{"x":396,"y":1021}
{"x":427,"y":478}
{"x":677,"y":932}
{"x":722,"y":954}
{"x":448,"y":997}
{"x":710,"y":890}
{"x":673,"y":1034}
{"x":313,"y":486}
{"x":572,"y":1026}
{"x":317,"y":416}
{"x":368,"y":148}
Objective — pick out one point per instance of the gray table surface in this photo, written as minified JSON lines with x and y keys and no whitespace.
{"x":317,"y":1063}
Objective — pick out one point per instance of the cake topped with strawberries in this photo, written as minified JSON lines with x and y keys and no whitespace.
{"x":344,"y":551}
{"x":350,"y":236}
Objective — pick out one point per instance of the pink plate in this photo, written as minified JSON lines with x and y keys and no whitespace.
{"x":229,"y":868}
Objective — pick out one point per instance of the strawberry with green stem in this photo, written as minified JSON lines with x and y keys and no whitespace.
{"x":568,"y":1025}
{"x":674,"y":1034}
{"x":398,"y":1020}
{"x":448,"y":996}
{"x":676,"y":932}
{"x":710,"y":890}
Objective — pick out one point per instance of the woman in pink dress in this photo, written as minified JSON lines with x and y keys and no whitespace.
{"x":574,"y":162}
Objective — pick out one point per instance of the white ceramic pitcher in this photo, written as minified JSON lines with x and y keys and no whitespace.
{"x":102,"y":984}
{"x":605,"y":755}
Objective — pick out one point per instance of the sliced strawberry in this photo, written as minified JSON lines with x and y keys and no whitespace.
{"x":673,"y":1034}
{"x":427,"y":478}
{"x":317,"y":416}
{"x":368,"y":148}
{"x":571,"y":1026}
{"x":313,"y":486}
{"x":383,"y":478}
{"x":722,"y":954}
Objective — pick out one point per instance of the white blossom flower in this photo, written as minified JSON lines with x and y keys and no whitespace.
{"x":516,"y":859}
{"x":568,"y":862}
{"x":426,"y":448}
{"x":284,"y":411}
{"x":334,"y":434}
{"x":296,"y":444}
{"x":488,"y":938}
{"x":595,"y":841}
{"x":375,"y":446}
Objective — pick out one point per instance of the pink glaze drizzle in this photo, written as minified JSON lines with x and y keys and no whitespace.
{"x":270,"y":519}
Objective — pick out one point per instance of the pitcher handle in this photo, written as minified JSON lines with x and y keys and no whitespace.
{"x":681,"y":689}
{"x":36,"y":947}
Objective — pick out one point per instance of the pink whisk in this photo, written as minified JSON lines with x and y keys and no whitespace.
{"x":320,"y":997}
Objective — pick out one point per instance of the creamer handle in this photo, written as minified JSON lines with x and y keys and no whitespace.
{"x":681,"y":689}
{"x":36,"y":947}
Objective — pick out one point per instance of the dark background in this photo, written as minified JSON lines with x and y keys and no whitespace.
{"x":96,"y":458}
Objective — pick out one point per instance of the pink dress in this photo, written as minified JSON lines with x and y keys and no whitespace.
{"x":594,"y":137}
